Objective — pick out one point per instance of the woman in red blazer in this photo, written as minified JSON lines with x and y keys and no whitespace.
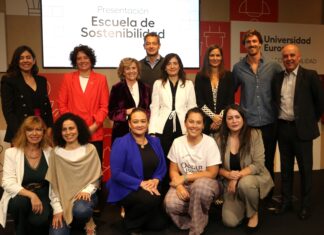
{"x":85,"y":93}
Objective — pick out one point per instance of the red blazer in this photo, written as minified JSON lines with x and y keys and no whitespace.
{"x":91,"y":105}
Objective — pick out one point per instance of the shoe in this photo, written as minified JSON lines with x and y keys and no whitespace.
{"x":254,"y":221}
{"x":135,"y":233}
{"x":251,"y":230}
{"x":96,"y":212}
{"x":271,"y":205}
{"x":304,"y":214}
{"x":283,"y":208}
{"x":90,"y":227}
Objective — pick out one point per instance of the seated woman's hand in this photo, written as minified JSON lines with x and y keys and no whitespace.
{"x":152,"y":183}
{"x":214,"y":126}
{"x":234,"y":175}
{"x":232,"y":186}
{"x":37,"y":205}
{"x":150,"y":186}
{"x":177,"y":180}
{"x":83,"y":196}
{"x":57,"y":221}
{"x":182,"y":193}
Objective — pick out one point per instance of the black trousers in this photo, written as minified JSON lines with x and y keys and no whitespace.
{"x":291,"y":146}
{"x":166,"y":141}
{"x":26,"y":221}
{"x":102,"y":191}
{"x":143,"y":211}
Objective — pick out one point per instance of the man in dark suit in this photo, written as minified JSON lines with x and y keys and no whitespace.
{"x":299,"y":97}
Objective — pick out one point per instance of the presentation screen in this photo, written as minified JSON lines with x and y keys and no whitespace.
{"x":115,"y":29}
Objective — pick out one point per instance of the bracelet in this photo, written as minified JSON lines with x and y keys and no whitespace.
{"x":185,"y":178}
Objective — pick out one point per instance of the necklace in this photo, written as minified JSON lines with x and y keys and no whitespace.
{"x":144,"y":142}
{"x":33,"y":158}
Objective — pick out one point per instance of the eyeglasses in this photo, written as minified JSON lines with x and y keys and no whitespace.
{"x":34,"y":129}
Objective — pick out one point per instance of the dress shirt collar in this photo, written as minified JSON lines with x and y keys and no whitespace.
{"x":294,"y":72}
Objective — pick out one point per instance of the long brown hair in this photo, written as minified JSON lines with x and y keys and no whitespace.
{"x":20,"y":140}
{"x":206,"y":68}
{"x":244,"y":135}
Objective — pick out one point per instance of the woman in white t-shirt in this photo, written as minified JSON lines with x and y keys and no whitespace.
{"x":194,"y":160}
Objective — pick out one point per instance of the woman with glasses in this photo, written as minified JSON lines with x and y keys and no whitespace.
{"x":26,"y":191}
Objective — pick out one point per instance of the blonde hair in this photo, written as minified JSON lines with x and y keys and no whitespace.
{"x":126,"y":62}
{"x":20,"y":139}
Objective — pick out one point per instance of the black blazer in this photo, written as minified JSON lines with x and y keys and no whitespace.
{"x":308,"y":101}
{"x":204,"y":95}
{"x":17,"y":103}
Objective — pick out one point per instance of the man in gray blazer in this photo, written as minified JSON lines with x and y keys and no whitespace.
{"x":299,"y":98}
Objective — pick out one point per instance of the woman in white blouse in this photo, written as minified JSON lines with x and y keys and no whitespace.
{"x":173,"y":95}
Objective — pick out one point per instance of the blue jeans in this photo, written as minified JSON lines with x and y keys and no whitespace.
{"x":82,"y":212}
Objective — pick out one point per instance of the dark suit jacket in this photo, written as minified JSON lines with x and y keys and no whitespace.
{"x":17,"y":103}
{"x":121,"y":99}
{"x":308,"y":101}
{"x":204,"y":95}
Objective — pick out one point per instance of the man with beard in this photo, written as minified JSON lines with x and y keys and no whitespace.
{"x":151,"y":64}
{"x":254,"y":75}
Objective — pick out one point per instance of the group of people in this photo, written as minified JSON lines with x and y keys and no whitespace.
{"x":177,"y":145}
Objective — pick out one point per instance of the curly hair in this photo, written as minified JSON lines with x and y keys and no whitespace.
{"x":86,"y":50}
{"x":31,"y":122}
{"x":181,"y":73}
{"x":14,"y":69}
{"x":83,"y":130}
{"x":126,"y":62}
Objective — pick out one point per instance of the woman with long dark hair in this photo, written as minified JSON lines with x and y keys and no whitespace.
{"x":214,"y":88}
{"x":24,"y":92}
{"x":245,"y":177}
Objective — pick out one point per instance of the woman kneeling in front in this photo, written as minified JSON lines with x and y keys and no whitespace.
{"x":137,"y":167}
{"x":25,"y":194}
{"x":245,"y":177}
{"x":74,"y":173}
{"x":194,"y":160}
